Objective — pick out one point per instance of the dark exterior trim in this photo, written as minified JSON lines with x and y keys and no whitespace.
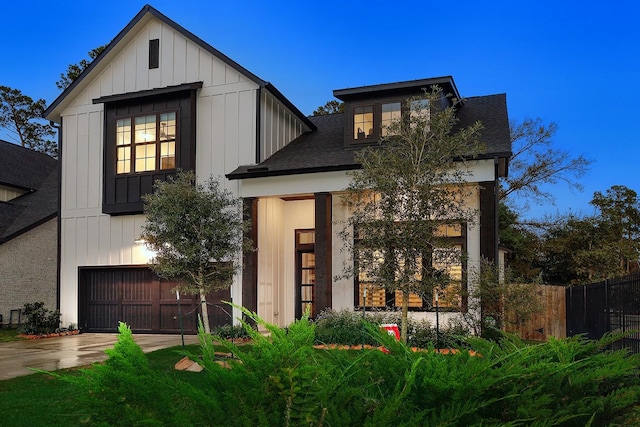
{"x":397,"y":89}
{"x":147,"y":93}
{"x":258,"y":158}
{"x":250,"y":258}
{"x":323,"y":251}
{"x":265,"y":172}
{"x":59,"y":233}
{"x":488,"y":221}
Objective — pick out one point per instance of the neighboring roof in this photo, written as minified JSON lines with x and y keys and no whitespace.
{"x":34,"y":172}
{"x":324,"y":150}
{"x":147,"y":10}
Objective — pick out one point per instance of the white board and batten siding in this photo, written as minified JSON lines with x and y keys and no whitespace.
{"x":226,"y":137}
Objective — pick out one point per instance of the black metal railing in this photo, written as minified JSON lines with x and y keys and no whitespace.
{"x":609,"y":306}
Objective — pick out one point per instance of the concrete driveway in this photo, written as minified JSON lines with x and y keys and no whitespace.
{"x":50,"y":354}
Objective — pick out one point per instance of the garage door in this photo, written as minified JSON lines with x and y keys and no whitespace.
{"x":136,"y":296}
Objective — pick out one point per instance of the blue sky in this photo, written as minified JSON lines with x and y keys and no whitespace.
{"x":576,"y":63}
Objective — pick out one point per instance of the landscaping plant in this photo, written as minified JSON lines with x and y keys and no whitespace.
{"x":281,"y":380}
{"x":39,"y":320}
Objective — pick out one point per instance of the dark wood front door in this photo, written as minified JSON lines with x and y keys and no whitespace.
{"x":136,"y":296}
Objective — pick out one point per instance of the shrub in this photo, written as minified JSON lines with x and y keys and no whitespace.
{"x":39,"y":320}
{"x":230,"y":331}
{"x":284,"y":381}
{"x":347,"y":327}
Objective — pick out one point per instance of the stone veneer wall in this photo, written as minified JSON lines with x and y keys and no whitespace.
{"x":28,"y":266}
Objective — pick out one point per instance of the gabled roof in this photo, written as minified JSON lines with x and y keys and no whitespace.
{"x":324,"y":150}
{"x":34,"y":172}
{"x":52,"y":112}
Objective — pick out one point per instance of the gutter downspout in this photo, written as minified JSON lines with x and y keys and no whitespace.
{"x":58,"y":127}
{"x":258,"y":122}
{"x":496,"y":195}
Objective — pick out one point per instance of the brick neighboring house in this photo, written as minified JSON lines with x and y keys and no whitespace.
{"x":28,"y":229}
{"x":158,"y":99}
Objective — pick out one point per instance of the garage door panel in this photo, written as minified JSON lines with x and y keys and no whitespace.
{"x":136,"y":296}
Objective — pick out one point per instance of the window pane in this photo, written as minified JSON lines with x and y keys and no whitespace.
{"x":390,"y":114}
{"x":145,"y":157}
{"x":420,"y":111}
{"x":123,"y":162}
{"x":306,"y":237}
{"x":168,"y":155}
{"x":167,"y":126}
{"x":375,"y":296}
{"x":414,"y":300}
{"x":123,"y":132}
{"x":363,"y":122}
{"x":449,"y":230}
{"x":145,"y":129}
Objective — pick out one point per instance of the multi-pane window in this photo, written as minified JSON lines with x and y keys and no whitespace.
{"x":391,"y":113}
{"x":146,"y":143}
{"x":372,"y":295}
{"x":363,"y":122}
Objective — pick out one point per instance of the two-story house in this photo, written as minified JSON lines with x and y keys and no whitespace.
{"x":160,"y":99}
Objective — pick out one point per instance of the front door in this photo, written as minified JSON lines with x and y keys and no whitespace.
{"x":305,"y":273}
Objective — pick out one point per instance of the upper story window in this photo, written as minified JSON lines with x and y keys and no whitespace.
{"x":148,"y":136}
{"x":147,"y":145}
{"x":363,"y":122}
{"x":375,"y":120}
{"x":391,"y":112}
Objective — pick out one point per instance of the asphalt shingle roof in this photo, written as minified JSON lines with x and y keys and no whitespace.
{"x":324,"y":149}
{"x":34,"y":172}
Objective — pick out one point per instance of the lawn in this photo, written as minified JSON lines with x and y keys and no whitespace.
{"x":42,"y":400}
{"x":11,"y":334}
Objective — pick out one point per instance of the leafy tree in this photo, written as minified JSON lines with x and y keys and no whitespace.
{"x":536,"y":162}
{"x":331,"y":107}
{"x":619,"y":225}
{"x":21,"y":116}
{"x":197,"y":233}
{"x":607,"y":244}
{"x":74,"y":70}
{"x":564,"y":243}
{"x":410,"y":185}
{"x":523,"y":242}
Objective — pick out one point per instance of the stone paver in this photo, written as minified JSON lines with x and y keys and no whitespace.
{"x":50,"y":354}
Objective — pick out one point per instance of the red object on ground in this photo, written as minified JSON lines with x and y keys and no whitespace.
{"x":392,"y":329}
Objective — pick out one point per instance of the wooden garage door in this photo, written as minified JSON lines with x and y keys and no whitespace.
{"x":136,"y":296}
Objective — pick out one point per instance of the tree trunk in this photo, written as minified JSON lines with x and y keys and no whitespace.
{"x":205,"y":311}
{"x":405,"y":316}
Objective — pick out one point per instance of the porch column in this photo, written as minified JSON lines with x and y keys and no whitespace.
{"x":250,"y":258}
{"x":488,"y":222}
{"x":323,"y":251}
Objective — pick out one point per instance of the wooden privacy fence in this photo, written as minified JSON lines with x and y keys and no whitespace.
{"x":609,"y":306}
{"x":550,"y":320}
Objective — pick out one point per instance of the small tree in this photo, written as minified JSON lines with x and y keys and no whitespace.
{"x":21,"y":116}
{"x":410,"y":186}
{"x":197,"y":233}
